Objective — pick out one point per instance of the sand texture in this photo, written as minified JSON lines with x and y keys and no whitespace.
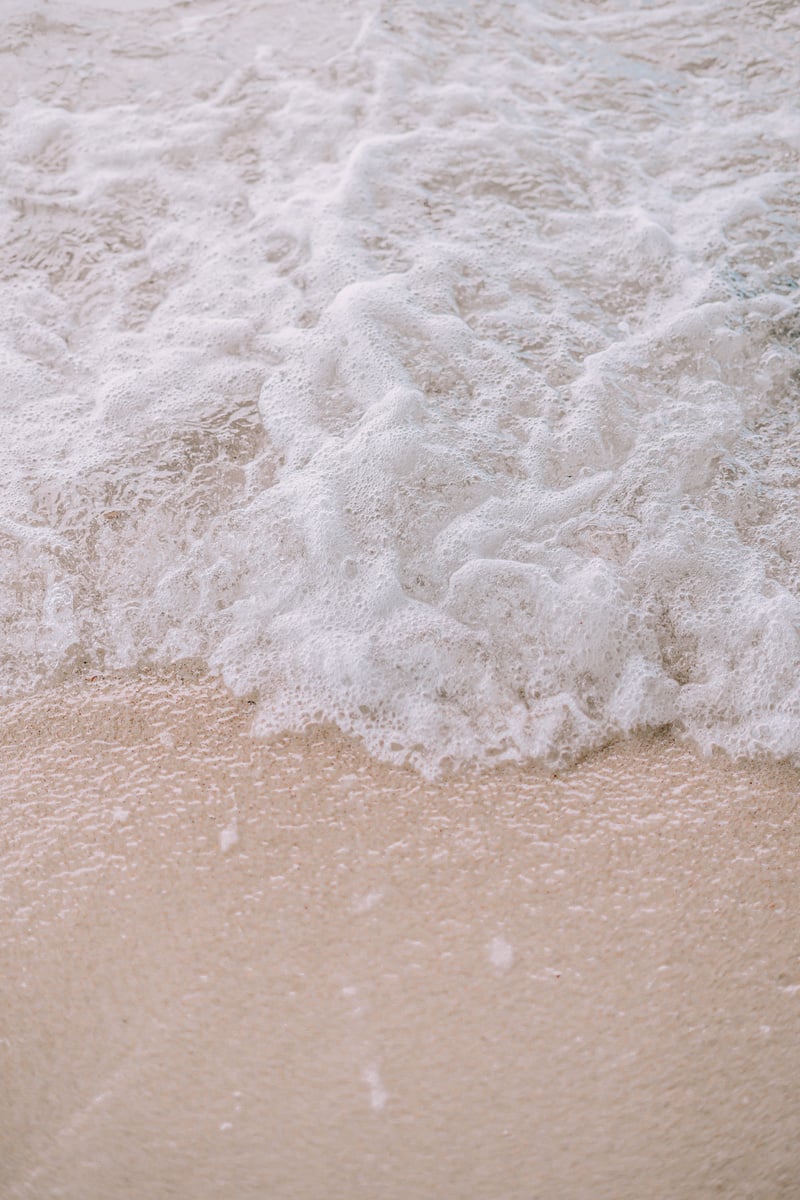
{"x":234,"y":969}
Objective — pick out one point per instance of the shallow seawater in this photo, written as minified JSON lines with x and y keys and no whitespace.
{"x":431,"y":369}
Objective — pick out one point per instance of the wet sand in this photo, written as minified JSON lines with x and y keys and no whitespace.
{"x":237,"y":969}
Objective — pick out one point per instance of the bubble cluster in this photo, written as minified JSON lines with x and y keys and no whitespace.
{"x":436,"y":376}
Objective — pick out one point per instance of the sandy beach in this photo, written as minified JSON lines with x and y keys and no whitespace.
{"x":428,"y":371}
{"x":234,"y":968}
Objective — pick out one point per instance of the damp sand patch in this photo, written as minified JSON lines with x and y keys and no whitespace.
{"x":232,"y":968}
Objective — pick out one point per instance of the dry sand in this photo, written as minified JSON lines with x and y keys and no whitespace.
{"x":238,"y":969}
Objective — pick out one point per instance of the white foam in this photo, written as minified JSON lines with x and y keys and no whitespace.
{"x":432,"y":369}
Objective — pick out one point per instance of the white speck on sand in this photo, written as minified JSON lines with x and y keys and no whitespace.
{"x":377,"y":1092}
{"x":229,"y":836}
{"x":365,"y":903}
{"x":501,"y":953}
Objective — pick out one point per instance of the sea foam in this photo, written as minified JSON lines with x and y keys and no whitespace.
{"x":427,"y":368}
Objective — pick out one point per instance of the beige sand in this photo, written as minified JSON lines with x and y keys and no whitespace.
{"x":232,"y":969}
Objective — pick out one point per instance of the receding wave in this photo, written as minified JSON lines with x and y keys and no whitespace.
{"x":428,"y":368}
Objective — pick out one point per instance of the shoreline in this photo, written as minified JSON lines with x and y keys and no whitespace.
{"x":234,"y":968}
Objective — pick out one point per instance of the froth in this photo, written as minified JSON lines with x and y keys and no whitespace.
{"x":439,"y":381}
